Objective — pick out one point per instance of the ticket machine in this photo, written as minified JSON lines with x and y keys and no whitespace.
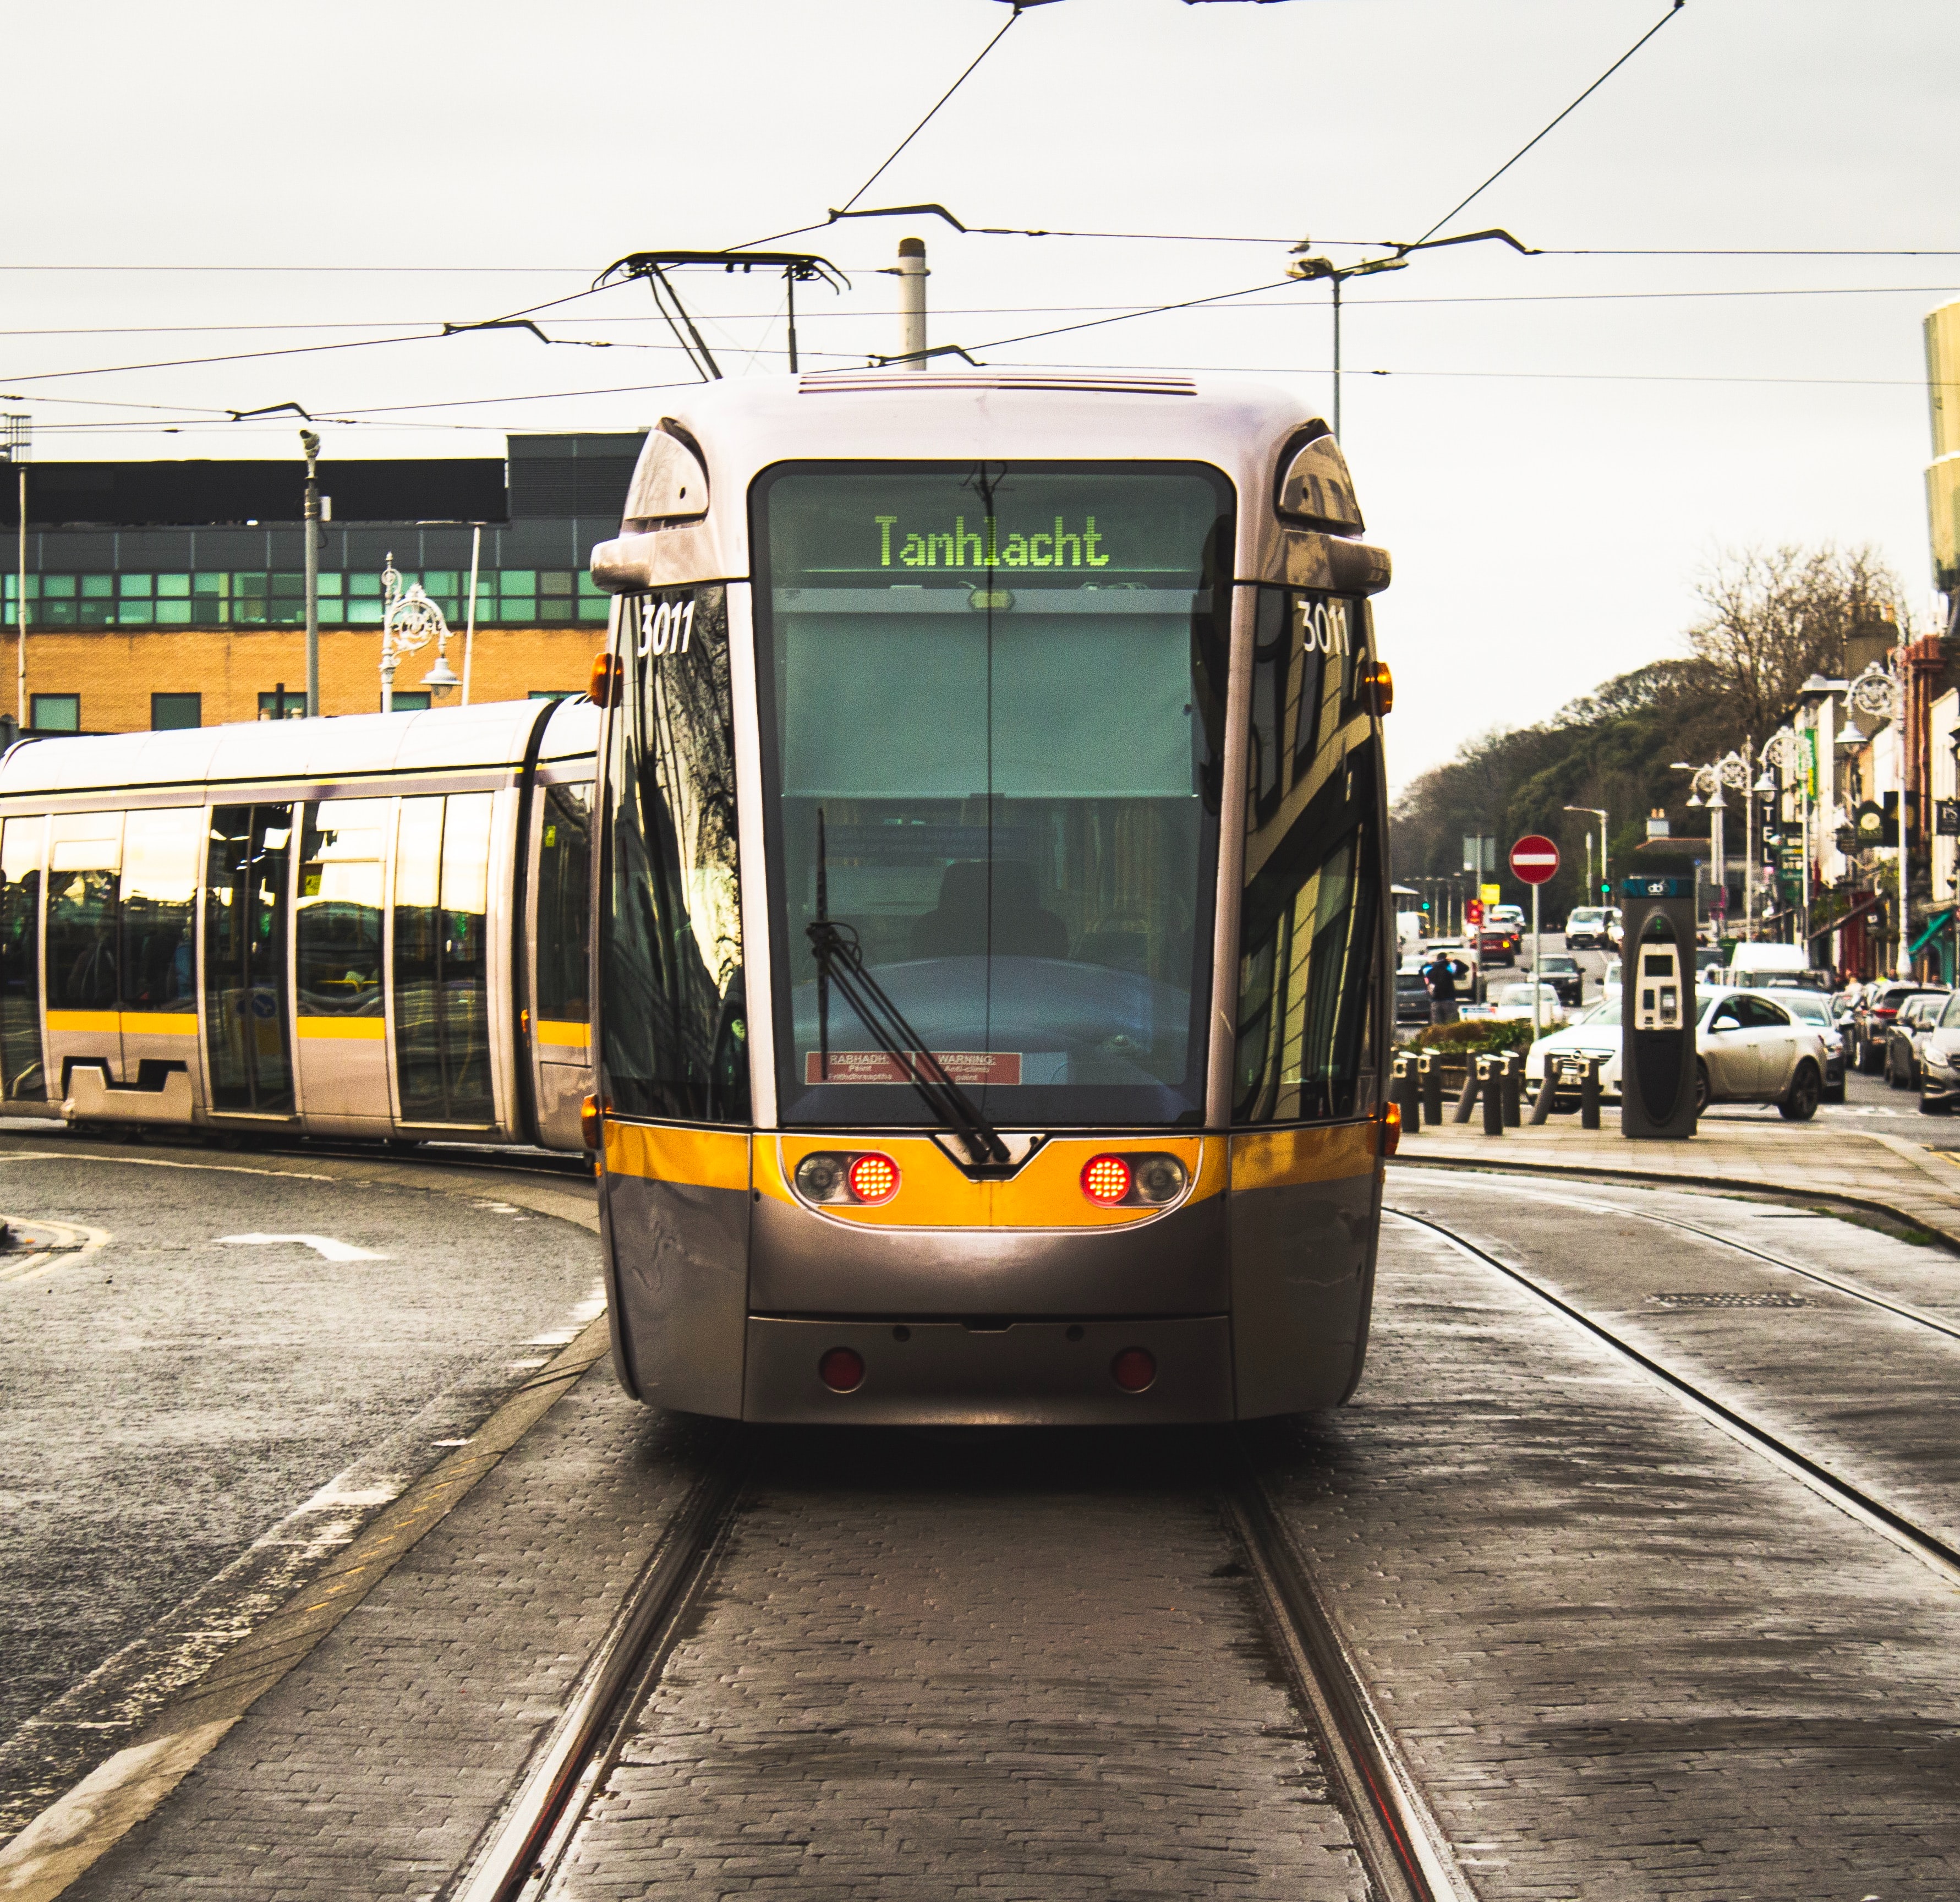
{"x":1657,"y":1003}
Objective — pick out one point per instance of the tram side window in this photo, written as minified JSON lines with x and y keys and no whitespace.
{"x":22,"y":1078}
{"x":159,"y":855}
{"x":675,"y":1019}
{"x":564,"y":899}
{"x":1309,"y":927}
{"x":85,"y":857}
{"x":338,"y":917}
{"x":247,"y":857}
{"x":442,"y":973}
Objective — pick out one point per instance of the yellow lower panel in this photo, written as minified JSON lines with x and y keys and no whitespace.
{"x":1324,"y":1152}
{"x":104,"y":1023}
{"x":562,"y":1036}
{"x":934,"y":1193}
{"x":348,"y":1029}
{"x":706,"y":1159}
{"x":135,"y":1023}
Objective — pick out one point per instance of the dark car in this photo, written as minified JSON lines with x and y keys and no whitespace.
{"x":1872,"y":1020}
{"x":1411,"y":997}
{"x":1906,"y":1040}
{"x":1560,"y":970}
{"x":1497,"y":944}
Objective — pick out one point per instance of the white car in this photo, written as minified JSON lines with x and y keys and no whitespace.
{"x":1514,"y":1001}
{"x":1750,"y":1049}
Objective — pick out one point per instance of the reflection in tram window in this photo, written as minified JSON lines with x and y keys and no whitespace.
{"x":22,"y":1076}
{"x":564,"y":901}
{"x":442,"y":989}
{"x":337,"y":917}
{"x":1014,"y":764}
{"x":1308,"y":924}
{"x":245,"y":872}
{"x":160,"y":854}
{"x":676,"y":1022}
{"x":85,"y":855}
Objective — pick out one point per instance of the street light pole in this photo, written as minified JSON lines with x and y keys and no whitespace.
{"x":19,"y":431}
{"x":309,"y":516}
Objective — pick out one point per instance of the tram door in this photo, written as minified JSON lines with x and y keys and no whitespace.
{"x":24,"y":1076}
{"x":561,"y":976}
{"x":247,"y":905}
{"x":84,"y":873}
{"x":337,"y":924}
{"x":441,"y":961}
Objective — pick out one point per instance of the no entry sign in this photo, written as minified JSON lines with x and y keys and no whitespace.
{"x":1534,"y":858}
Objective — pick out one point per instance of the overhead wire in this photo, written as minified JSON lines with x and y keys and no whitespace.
{"x":1555,"y":123}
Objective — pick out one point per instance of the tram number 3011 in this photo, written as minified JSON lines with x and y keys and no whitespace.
{"x":665,"y":627}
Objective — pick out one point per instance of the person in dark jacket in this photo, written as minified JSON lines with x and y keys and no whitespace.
{"x":1441,"y":974}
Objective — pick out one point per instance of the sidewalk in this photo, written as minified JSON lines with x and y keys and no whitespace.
{"x":1921,"y":1186}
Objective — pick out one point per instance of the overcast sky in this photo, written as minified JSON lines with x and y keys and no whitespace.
{"x":1559,"y":444}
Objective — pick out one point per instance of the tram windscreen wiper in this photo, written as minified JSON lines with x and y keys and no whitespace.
{"x":840,"y":960}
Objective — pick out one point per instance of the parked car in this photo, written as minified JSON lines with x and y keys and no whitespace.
{"x":1911,"y":1026}
{"x":1498,"y":944}
{"x":1560,"y":970}
{"x":1939,"y":1062}
{"x":1411,"y":997}
{"x":1514,"y":1001}
{"x":1750,"y":1050}
{"x":1813,"y":1007}
{"x":1586,"y":928}
{"x":1511,"y":915}
{"x":1872,"y":1018}
{"x":1609,"y":982}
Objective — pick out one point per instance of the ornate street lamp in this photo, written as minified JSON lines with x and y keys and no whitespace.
{"x":408,"y":622}
{"x":1879,"y":693}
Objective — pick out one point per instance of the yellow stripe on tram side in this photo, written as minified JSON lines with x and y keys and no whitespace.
{"x":99,"y":1023}
{"x":348,"y":1029}
{"x":703,"y":1158}
{"x":159,"y":1024}
{"x":574,"y":1036}
{"x":1325,"y":1152}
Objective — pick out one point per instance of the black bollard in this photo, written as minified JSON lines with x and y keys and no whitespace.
{"x":1430,"y":1069}
{"x":1467,"y":1101}
{"x":1547,"y":1092}
{"x":1589,"y":1094}
{"x":1408,"y":1095}
{"x":1490,"y":1085}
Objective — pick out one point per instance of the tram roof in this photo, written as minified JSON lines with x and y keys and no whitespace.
{"x":435,"y":739}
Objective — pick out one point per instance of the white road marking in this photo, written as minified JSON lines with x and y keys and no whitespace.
{"x":323,"y":1245}
{"x":157,"y":1162}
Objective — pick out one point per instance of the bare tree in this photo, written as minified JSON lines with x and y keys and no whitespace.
{"x":1773,"y":617}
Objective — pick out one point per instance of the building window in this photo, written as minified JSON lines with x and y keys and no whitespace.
{"x":282,"y":703}
{"x":55,"y":712}
{"x":553,"y":693}
{"x":411,"y":702}
{"x":169,"y":711}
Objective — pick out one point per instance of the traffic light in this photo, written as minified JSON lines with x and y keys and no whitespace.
{"x":1605,"y":888}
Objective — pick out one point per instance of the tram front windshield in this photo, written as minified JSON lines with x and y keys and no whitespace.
{"x":993,"y":712}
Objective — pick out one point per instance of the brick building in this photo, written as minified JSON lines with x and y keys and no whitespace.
{"x":173,"y":593}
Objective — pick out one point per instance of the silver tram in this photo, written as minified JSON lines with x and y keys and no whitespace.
{"x":991,"y":974}
{"x":375,"y":928}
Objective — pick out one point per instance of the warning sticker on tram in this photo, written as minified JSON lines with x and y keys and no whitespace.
{"x":968,"y":1068}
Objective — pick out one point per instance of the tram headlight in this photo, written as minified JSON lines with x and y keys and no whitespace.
{"x":1158,"y":1178}
{"x":820,"y":1178}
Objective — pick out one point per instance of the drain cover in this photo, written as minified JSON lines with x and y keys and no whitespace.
{"x":1729,"y":1301}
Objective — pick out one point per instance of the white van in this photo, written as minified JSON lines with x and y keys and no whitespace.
{"x":1755,"y":966}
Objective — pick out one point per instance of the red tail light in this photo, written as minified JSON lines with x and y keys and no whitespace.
{"x":841,"y":1370}
{"x":1133,"y":1369}
{"x":1105,"y":1179}
{"x":874,"y":1178}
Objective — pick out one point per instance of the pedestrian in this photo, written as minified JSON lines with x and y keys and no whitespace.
{"x":1440,"y":974}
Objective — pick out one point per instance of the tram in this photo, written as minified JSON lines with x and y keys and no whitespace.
{"x":375,"y":927}
{"x":991,"y":982}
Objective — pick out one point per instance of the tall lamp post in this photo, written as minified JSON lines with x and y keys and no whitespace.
{"x":1782,"y":761}
{"x":18,"y":430}
{"x":309,"y":524}
{"x":1732,"y":770}
{"x":1878,"y":693}
{"x":408,"y":622}
{"x":1605,"y":876}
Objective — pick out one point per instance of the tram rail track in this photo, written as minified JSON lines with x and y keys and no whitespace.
{"x":1396,"y":1836}
{"x":1873,"y":1513}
